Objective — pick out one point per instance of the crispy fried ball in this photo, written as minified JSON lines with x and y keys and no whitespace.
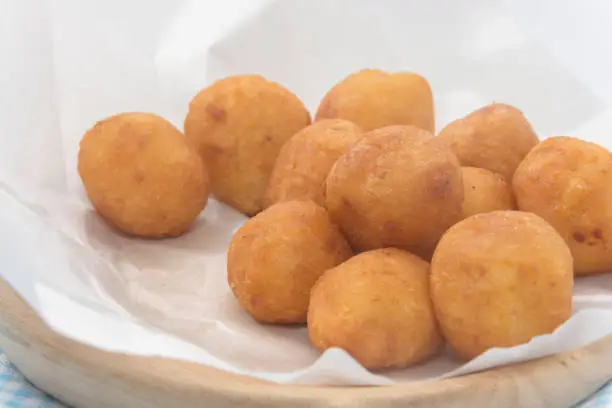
{"x":376,"y":306}
{"x":496,"y":137}
{"x":568,"y":182}
{"x":141,"y":175}
{"x":396,"y":187}
{"x":373,"y":99}
{"x":485,"y":191}
{"x":499,"y":279}
{"x":238,"y":125}
{"x":305,"y":160}
{"x":278,"y":255}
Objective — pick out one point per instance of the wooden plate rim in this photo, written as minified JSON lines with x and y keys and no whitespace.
{"x":19,"y":322}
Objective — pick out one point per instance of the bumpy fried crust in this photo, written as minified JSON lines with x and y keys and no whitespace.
{"x":141,"y":175}
{"x":496,"y":137}
{"x":568,"y":182}
{"x":499,"y":279}
{"x":377,"y":307}
{"x":306,"y":159}
{"x":238,"y":125}
{"x":373,"y":99}
{"x":278,"y":255}
{"x":397,"y":186}
{"x":485,"y":191}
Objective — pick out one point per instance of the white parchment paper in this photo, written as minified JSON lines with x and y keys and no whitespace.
{"x":66,"y":64}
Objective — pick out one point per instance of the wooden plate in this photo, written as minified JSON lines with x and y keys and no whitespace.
{"x":85,"y":377}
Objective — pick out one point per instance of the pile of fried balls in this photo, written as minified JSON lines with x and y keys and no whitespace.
{"x":386,"y":239}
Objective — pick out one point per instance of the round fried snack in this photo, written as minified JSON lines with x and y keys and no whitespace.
{"x":568,"y":182}
{"x":496,"y":137}
{"x":499,"y":279}
{"x":306,"y":159}
{"x":277,"y":256}
{"x":396,"y":187}
{"x":141,"y":175}
{"x":373,"y":99}
{"x":376,"y":306}
{"x":485,"y":191}
{"x":238,"y":125}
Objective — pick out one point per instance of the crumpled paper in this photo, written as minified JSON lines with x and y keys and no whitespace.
{"x":68,"y":64}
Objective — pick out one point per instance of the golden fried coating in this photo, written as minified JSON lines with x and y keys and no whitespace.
{"x":141,"y":175}
{"x":277,"y":256}
{"x":396,"y":187}
{"x":568,"y":182}
{"x":496,"y":137}
{"x":238,"y":125}
{"x":373,"y":99}
{"x":305,"y":160}
{"x":499,"y":279}
{"x":376,"y":306}
{"x":485,"y":191}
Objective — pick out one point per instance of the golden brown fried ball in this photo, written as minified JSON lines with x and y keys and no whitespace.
{"x":396,"y":187}
{"x":496,"y":137}
{"x":568,"y":182}
{"x":485,"y":191}
{"x":238,"y":125}
{"x":499,"y":279}
{"x":278,"y":255}
{"x":305,"y":160}
{"x":141,"y":175}
{"x":373,"y":99}
{"x":376,"y":306}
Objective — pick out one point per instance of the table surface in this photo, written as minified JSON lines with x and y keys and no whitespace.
{"x":17,"y":392}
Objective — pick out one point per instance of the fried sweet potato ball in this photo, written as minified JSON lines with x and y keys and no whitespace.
{"x":306,"y":159}
{"x":376,"y":306}
{"x":141,"y":175}
{"x":278,"y":255}
{"x":568,"y":182}
{"x":373,"y":99}
{"x":238,"y":125}
{"x":485,"y":191}
{"x":499,"y":279}
{"x":496,"y":137}
{"x":396,"y":187}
